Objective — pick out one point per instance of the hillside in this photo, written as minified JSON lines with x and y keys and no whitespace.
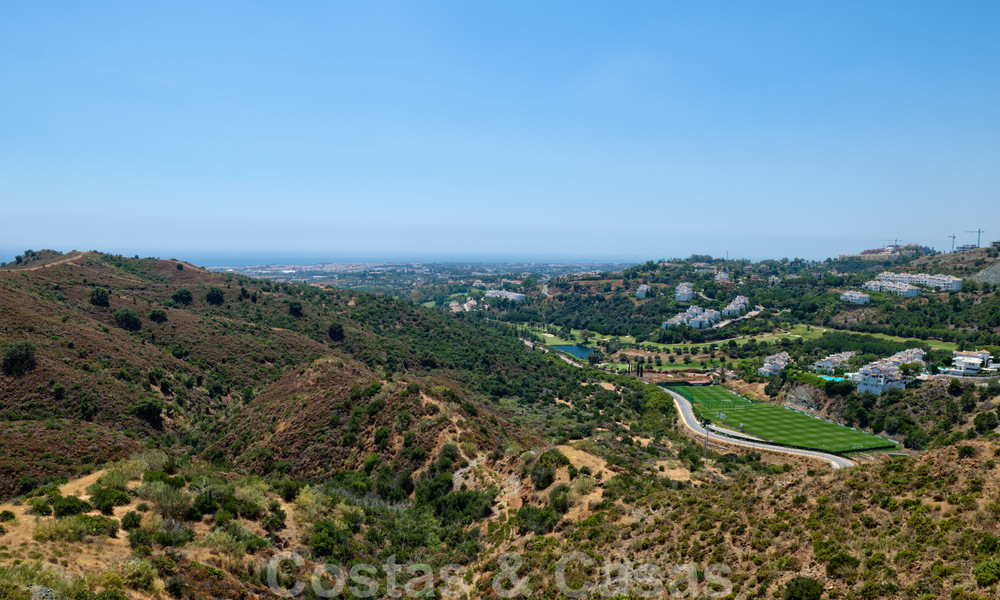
{"x":184,"y":426}
{"x":979,"y":265}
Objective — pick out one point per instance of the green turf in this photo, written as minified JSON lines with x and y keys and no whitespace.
{"x":776,"y":423}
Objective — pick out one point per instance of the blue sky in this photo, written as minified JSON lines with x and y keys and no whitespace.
{"x":336,"y":130}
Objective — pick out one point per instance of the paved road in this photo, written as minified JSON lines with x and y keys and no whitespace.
{"x":691,"y":422}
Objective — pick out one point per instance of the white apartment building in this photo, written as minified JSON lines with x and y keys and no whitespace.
{"x":512,"y":296}
{"x":941,"y":282}
{"x":970,"y":362}
{"x":831,"y":362}
{"x":855,"y":297}
{"x":882,"y":375}
{"x":738,"y":305}
{"x":721,"y":276}
{"x":684,"y":292}
{"x":774,"y":364}
{"x":891,"y":287}
{"x":696,"y":317}
{"x":642,"y":291}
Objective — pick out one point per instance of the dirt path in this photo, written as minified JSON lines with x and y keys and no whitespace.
{"x":61,"y":261}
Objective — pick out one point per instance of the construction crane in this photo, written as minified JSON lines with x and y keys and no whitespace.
{"x":979,"y":235}
{"x":952,"y":236}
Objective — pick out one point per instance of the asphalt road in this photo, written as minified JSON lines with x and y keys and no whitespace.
{"x":686,"y":412}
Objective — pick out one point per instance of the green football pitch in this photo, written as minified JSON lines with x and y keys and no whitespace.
{"x":776,"y":423}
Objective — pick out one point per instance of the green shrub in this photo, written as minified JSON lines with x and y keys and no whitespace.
{"x":158,"y":315}
{"x":9,"y":591}
{"x":536,"y":520}
{"x":803,"y":588}
{"x":131,"y":520}
{"x":18,"y":358}
{"x":542,"y":476}
{"x":41,"y":507}
{"x":6,"y":516}
{"x":183,"y":296}
{"x":987,"y":572}
{"x":68,"y":506}
{"x":140,"y":537}
{"x":106,"y":499}
{"x":559,"y":498}
{"x":75,"y":528}
{"x":215,"y":296}
{"x":175,"y":585}
{"x":100,"y":297}
{"x":841,"y":565}
{"x":128,"y":319}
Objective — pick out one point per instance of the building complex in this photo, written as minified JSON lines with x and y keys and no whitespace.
{"x":971,"y":362}
{"x":696,"y":317}
{"x":642,"y":291}
{"x":882,"y":375}
{"x":855,"y":297}
{"x":738,"y":305}
{"x":941,"y":282}
{"x":774,"y":364}
{"x":512,"y":296}
{"x":684,"y":292}
{"x":831,"y":362}
{"x":891,"y":287}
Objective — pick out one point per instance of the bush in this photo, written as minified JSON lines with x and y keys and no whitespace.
{"x":68,"y":506}
{"x":330,"y":540}
{"x":295,"y":308}
{"x":382,"y":436}
{"x":18,"y":358}
{"x":158,"y":315}
{"x":803,"y":588}
{"x":9,"y":591}
{"x":106,"y":499}
{"x":6,"y":516}
{"x":131,"y":520}
{"x":559,"y":498}
{"x":168,"y":501}
{"x":138,"y":574}
{"x":542,"y":476}
{"x":175,"y":585}
{"x":75,"y":528}
{"x":183,"y":296}
{"x":215,"y":296}
{"x":987,"y":572}
{"x":536,"y":520}
{"x":335,"y":331}
{"x":149,"y":409}
{"x":40,"y":507}
{"x":140,"y":537}
{"x":100,"y":297}
{"x":128,"y":319}
{"x":841,"y":565}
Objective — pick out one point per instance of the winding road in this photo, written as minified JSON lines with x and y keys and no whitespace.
{"x":686,"y":412}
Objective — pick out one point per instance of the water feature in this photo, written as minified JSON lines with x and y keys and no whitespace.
{"x":575,"y":350}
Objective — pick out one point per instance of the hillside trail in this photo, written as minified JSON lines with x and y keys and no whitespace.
{"x":61,"y":261}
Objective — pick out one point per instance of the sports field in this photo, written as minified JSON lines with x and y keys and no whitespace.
{"x":776,"y":423}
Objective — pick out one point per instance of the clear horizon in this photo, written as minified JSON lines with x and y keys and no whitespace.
{"x":564,"y":131}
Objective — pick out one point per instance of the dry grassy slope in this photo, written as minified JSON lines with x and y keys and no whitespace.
{"x":914,"y":525}
{"x":56,"y":448}
{"x":304,"y":417}
{"x":959,"y":264}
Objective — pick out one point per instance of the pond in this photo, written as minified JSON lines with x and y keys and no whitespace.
{"x":578,"y":351}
